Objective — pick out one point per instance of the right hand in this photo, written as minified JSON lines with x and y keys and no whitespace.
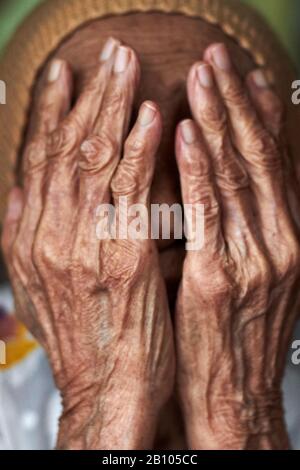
{"x":99,"y":308}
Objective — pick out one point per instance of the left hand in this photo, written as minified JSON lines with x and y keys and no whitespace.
{"x":238,"y":299}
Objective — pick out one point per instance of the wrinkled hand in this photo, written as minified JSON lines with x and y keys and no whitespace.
{"x":99,"y":308}
{"x":238,"y":299}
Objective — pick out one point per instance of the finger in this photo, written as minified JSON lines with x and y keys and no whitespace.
{"x":74,"y":128}
{"x":86,"y":109}
{"x":67,"y":137}
{"x":230,"y":174}
{"x":197,"y":182}
{"x":120,"y":92}
{"x":132,"y":181}
{"x":271,"y":113}
{"x":64,"y":143}
{"x":257,"y":146}
{"x":12,"y":221}
{"x":53,"y":104}
{"x":134,"y":175}
{"x":133,"y":178}
{"x":100,"y":153}
{"x":55,"y":100}
{"x":266,"y":102}
{"x":250,"y":136}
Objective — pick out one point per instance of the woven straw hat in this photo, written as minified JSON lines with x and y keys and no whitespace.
{"x":53,"y":20}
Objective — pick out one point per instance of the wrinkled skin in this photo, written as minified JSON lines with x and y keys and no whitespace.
{"x":236,"y":306}
{"x":99,"y":308}
{"x":234,"y":314}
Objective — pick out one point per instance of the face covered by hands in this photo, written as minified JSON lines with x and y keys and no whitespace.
{"x":238,"y":300}
{"x":98,"y":307}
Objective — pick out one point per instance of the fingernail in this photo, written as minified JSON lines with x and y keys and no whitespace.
{"x":146,"y":114}
{"x":122,"y":59}
{"x":54,"y":70}
{"x":14,"y":206}
{"x":260,"y":79}
{"x":205,"y":76}
{"x":188,"y":132}
{"x":108,"y":49}
{"x":221,"y":57}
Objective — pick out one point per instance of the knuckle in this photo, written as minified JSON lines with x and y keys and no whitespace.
{"x":44,"y":257}
{"x":120,"y":263}
{"x":261,"y":275}
{"x":63,"y":141}
{"x":34,"y":154}
{"x":114,"y":102}
{"x":231,"y":174}
{"x":196,"y":163}
{"x":125,"y":181}
{"x":264,"y":142}
{"x":215,"y":285}
{"x":214,"y":119}
{"x":135,"y":148}
{"x":98,"y":151}
{"x":205,"y":195}
{"x":263,"y":149}
{"x":255,"y":281}
{"x":288,"y":262}
{"x":236,"y":96}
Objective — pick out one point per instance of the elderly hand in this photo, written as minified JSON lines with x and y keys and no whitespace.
{"x":238,"y":300}
{"x":98,"y":307}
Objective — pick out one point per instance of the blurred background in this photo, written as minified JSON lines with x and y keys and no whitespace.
{"x":284,"y":15}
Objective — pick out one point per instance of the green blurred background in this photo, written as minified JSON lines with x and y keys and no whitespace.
{"x":284,"y":15}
